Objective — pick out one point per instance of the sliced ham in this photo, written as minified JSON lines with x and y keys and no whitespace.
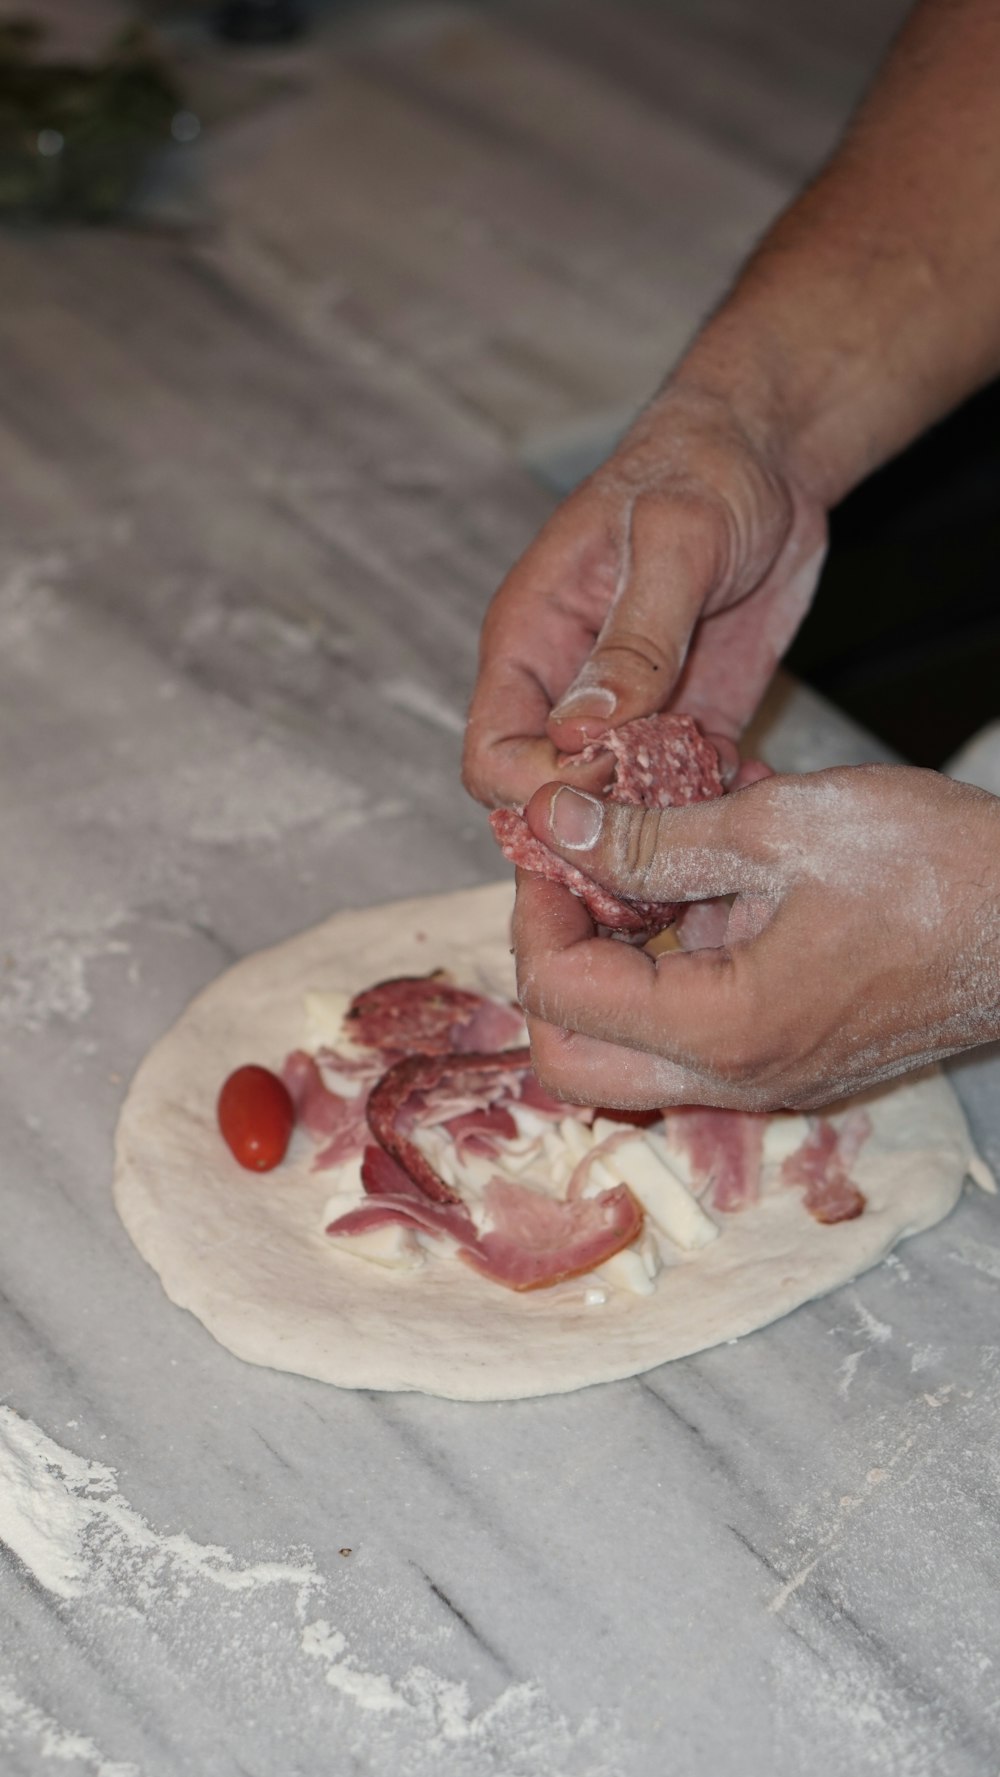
{"x":339,"y":1123}
{"x":532,"y":1241}
{"x":659,"y":762}
{"x":409,"y":1091}
{"x":819,"y":1168}
{"x":725,"y":1150}
{"x":535,"y":1241}
{"x":481,"y":1132}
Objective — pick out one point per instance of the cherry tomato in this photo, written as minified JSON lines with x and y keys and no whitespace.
{"x":256,"y":1116}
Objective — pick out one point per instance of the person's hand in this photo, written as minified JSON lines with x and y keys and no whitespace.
{"x":673,"y":578}
{"x":863,"y":941}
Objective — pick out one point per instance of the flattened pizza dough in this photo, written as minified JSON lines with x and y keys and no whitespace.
{"x":246,"y":1253}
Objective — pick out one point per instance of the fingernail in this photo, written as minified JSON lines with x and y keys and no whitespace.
{"x":586,"y":700}
{"x":576,"y":820}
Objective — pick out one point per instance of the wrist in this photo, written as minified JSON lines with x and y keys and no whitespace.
{"x":784,"y":397}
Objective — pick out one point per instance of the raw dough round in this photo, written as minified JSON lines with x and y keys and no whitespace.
{"x":246,"y":1253}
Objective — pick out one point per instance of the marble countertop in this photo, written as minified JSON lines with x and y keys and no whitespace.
{"x":239,"y":597}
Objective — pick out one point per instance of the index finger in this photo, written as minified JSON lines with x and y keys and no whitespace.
{"x":541,"y":625}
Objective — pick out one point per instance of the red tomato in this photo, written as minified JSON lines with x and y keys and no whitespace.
{"x":256,"y":1116}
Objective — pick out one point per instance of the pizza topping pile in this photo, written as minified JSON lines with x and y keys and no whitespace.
{"x":439,"y":1145}
{"x":427,"y":1104}
{"x":659,"y":762}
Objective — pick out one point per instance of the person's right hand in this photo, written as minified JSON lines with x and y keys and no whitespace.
{"x":673,"y":578}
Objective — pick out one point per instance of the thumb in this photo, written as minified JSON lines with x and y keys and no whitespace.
{"x":671,"y":561}
{"x":653,"y":854}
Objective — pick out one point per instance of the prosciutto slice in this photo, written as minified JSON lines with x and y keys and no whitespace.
{"x":820,"y":1167}
{"x":481,"y":1132}
{"x":725,"y":1150}
{"x":659,"y":762}
{"x":535,"y":1240}
{"x":339,"y":1123}
{"x":532,"y":1241}
{"x":428,"y":1015}
{"x":396,"y":1102}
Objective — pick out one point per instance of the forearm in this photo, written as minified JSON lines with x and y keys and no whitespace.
{"x":873,"y":305}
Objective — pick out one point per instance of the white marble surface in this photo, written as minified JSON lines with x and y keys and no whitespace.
{"x":238,"y":607}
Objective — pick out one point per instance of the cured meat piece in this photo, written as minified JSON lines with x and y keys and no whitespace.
{"x":340,"y":1122}
{"x":636,"y":919}
{"x":481,"y":1131}
{"x":820,"y":1168}
{"x":428,"y":1015}
{"x":390,"y":1188}
{"x":394,"y":1103}
{"x":492,"y":1026}
{"x":660,"y":762}
{"x":535,"y":1098}
{"x":725,"y":1149}
{"x":533,"y":1241}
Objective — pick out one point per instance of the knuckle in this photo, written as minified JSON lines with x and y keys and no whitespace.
{"x":743,"y":1043}
{"x":552,"y":1058}
{"x":639,"y":835}
{"x":632,"y":650}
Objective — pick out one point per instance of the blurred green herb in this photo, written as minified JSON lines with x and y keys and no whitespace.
{"x":76,"y":137}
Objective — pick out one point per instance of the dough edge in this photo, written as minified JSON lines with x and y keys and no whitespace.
{"x":248,"y":1258}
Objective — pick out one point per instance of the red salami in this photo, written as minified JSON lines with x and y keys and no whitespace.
{"x":660,"y":762}
{"x":394,"y":1103}
{"x":413,"y":1014}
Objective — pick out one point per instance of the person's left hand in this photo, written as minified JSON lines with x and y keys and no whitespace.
{"x":863,"y":941}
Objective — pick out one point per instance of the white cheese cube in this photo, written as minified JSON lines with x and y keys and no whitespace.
{"x":392,"y":1246}
{"x":602,"y":1127}
{"x":325,"y":1016}
{"x":673,"y":1152}
{"x":641,"y":1163}
{"x":626,"y":1271}
{"x":576,"y":1136}
{"x":325,"y":1013}
{"x":530,"y":1123}
{"x":783,"y":1134}
{"x":347,"y":1193}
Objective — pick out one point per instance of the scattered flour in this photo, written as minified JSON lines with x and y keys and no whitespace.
{"x":64,"y":1519}
{"x":21,"y":1720}
{"x":848,"y":1371}
{"x":63,"y":1516}
{"x":49,"y":979}
{"x":877,"y":1330}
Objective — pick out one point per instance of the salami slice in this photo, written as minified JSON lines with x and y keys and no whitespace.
{"x":428,"y":1015}
{"x":660,"y":762}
